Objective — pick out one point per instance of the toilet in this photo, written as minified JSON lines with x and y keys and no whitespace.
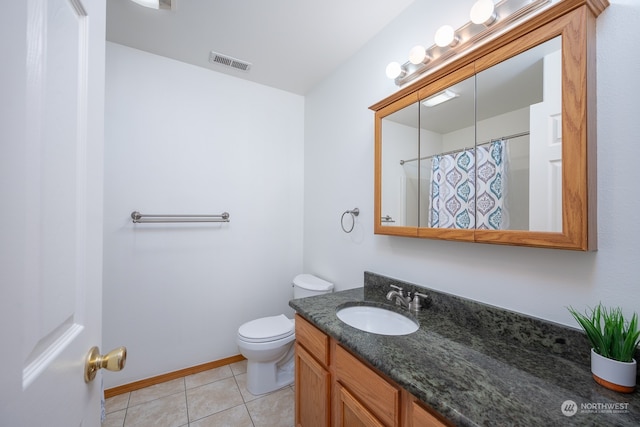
{"x":267,"y":342}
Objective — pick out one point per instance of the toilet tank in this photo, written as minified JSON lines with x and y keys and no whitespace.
{"x":306,"y":285}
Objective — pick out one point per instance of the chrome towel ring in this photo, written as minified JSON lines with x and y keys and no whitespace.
{"x":354,"y":213}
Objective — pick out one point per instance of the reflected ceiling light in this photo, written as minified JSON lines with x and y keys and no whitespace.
{"x":155,"y":4}
{"x":418,"y":55}
{"x":439,"y":98}
{"x":446,"y":36}
{"x":394,"y":70}
{"x":483,"y":13}
{"x":151,"y":4}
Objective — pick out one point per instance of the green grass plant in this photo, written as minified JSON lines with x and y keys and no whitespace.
{"x":609,"y":334}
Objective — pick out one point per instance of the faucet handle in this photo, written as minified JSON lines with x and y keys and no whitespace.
{"x":415,"y":305}
{"x":398,"y":288}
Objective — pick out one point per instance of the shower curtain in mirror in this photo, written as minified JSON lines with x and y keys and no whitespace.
{"x":491,"y":211}
{"x":453,"y":189}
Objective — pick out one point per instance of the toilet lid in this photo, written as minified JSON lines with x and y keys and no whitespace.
{"x":267,"y":329}
{"x":312,"y":283}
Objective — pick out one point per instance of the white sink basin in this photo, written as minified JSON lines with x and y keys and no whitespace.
{"x":377,"y":320}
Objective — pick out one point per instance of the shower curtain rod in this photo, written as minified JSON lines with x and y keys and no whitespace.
{"x":459,"y":150}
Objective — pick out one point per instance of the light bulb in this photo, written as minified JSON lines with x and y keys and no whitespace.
{"x":483,"y":12}
{"x":394,"y":70}
{"x":445,"y":36}
{"x":417,"y":55}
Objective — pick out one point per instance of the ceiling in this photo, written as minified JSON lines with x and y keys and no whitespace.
{"x":291,"y":44}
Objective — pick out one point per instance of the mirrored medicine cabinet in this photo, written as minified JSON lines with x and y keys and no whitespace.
{"x":498,"y":146}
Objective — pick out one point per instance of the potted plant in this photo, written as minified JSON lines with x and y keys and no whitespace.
{"x":613,"y":342}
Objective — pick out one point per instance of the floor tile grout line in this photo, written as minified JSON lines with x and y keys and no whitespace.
{"x":126,"y":411}
{"x":156,"y":398}
{"x":210,"y":415}
{"x":186,"y":399}
{"x":246,"y":408}
{"x":239,"y":391}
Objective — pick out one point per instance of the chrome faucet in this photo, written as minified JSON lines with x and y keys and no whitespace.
{"x":410,"y":303}
{"x":399,"y":296}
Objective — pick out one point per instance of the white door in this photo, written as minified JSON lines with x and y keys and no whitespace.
{"x":545,"y":151}
{"x":51,"y":95}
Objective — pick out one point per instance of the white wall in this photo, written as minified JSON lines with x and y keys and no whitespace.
{"x":540,"y":282}
{"x":182,"y":139}
{"x":400,"y":183}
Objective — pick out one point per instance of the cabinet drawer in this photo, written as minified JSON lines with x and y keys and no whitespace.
{"x":381,"y":398}
{"x":314,"y":340}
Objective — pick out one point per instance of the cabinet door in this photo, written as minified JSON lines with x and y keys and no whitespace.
{"x":351,"y":413}
{"x":382,"y":398}
{"x":313,"y":391}
{"x":420,"y":417}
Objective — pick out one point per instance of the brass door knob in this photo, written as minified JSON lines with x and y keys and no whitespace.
{"x":112,"y":361}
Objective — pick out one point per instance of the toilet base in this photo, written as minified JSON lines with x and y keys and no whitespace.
{"x":267,"y":377}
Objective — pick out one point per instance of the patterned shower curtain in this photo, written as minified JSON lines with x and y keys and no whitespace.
{"x":491,"y":212}
{"x":454,"y":187}
{"x":452,"y":190}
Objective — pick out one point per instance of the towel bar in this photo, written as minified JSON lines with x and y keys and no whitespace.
{"x":137,"y":217}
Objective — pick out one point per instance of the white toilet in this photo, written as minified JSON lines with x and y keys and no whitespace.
{"x":267,"y":343}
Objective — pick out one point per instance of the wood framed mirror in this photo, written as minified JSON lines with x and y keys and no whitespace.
{"x":510,"y":157}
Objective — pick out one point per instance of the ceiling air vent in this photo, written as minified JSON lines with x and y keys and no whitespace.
{"x":228,"y":61}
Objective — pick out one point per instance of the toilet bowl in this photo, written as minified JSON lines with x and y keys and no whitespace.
{"x":267,"y":342}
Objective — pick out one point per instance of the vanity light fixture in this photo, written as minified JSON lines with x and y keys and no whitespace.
{"x":446,"y":36}
{"x":395,"y":71}
{"x":483,"y":12}
{"x":439,"y":98}
{"x":418,"y":55}
{"x":486,"y":18}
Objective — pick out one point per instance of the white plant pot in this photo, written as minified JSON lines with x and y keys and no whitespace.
{"x":614,"y":375}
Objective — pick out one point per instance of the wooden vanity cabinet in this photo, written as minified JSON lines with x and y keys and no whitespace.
{"x":335,"y":388}
{"x":312,"y":376}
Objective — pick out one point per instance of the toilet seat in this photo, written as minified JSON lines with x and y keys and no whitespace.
{"x":266,"y":329}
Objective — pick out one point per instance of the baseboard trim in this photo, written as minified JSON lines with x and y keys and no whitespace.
{"x":125,"y":388}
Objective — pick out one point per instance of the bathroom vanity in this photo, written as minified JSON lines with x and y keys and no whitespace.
{"x":331,"y":380}
{"x":467,"y":365}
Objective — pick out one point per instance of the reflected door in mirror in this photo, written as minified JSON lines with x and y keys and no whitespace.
{"x":520,"y":103}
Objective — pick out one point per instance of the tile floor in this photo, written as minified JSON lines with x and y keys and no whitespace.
{"x":217,"y":397}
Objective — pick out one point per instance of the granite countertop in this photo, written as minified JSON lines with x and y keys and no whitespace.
{"x":478,"y":365}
